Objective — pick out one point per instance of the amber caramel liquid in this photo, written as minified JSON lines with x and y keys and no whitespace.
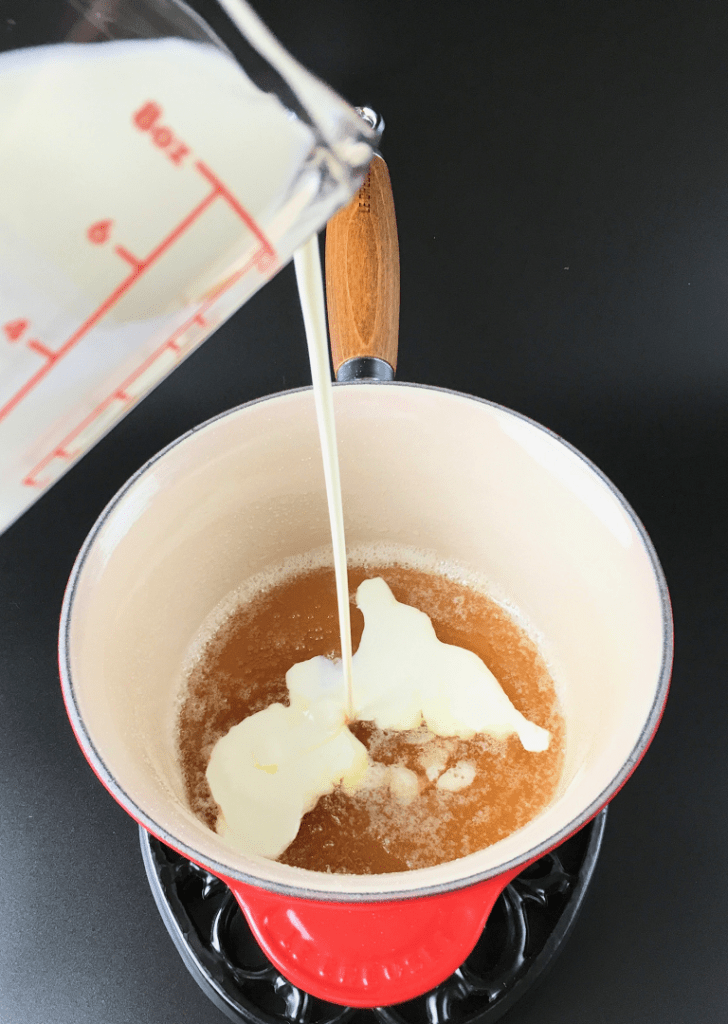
{"x":242,"y":670}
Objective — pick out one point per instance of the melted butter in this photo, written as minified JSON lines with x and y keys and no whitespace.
{"x":272,"y":768}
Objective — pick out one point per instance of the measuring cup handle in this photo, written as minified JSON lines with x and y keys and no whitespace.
{"x":362,"y":279}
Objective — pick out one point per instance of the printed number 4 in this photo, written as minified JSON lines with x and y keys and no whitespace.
{"x":15,"y":328}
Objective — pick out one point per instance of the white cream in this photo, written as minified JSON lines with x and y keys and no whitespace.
{"x":311,"y":294}
{"x":403,"y":675}
{"x":269,"y":770}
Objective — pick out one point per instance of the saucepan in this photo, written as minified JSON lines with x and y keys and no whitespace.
{"x":475,"y":483}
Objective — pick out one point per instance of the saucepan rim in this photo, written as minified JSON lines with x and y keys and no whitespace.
{"x":387,"y":894}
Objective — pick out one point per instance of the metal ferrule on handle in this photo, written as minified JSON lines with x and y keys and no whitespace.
{"x":364,"y":368}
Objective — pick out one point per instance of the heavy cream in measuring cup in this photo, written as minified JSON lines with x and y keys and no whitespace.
{"x":269,"y":770}
{"x":115,"y":146}
{"x":148,"y":189}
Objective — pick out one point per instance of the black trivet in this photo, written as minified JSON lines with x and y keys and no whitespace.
{"x":523,"y":935}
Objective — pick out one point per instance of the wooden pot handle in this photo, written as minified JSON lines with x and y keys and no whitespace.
{"x":362,"y":273}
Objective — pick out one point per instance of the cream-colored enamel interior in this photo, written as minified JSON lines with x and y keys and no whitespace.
{"x":419,"y":467}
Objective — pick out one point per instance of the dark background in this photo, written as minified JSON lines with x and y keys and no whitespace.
{"x":560,"y":172}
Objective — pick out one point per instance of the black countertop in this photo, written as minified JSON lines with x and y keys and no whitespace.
{"x":560,"y":172}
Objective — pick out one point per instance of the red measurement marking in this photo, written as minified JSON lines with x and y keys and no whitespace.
{"x":99,"y":232}
{"x":126,"y":255}
{"x":161,"y":136}
{"x":178,"y":153}
{"x":147,"y":115}
{"x":221,"y":190}
{"x":264,"y":261}
{"x":15,"y":328}
{"x":61,"y":451}
{"x":146,"y":119}
{"x":44,"y":351}
{"x":264,"y":258}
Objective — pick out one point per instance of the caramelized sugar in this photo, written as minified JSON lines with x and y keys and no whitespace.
{"x":242,"y":670}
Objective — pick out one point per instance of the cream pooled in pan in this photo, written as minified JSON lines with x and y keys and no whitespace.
{"x":272,"y":768}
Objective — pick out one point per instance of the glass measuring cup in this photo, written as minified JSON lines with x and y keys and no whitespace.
{"x":150,"y":185}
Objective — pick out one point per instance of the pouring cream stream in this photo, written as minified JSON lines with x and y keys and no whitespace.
{"x":272,"y":768}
